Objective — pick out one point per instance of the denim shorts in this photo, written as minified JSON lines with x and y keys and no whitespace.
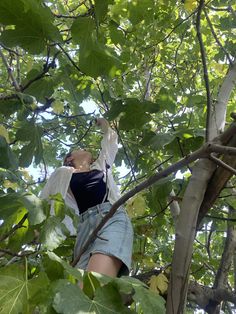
{"x":114,"y":239}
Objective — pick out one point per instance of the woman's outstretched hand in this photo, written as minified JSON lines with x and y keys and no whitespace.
{"x":102,"y":123}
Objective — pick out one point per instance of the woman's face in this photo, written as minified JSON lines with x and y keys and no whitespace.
{"x":79,"y":155}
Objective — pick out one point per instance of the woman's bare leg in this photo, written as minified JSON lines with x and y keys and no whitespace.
{"x":104,"y":264}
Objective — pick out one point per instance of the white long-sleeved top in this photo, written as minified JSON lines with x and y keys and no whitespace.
{"x":59,"y":181}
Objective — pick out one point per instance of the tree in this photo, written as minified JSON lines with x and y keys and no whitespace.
{"x":163,"y":73}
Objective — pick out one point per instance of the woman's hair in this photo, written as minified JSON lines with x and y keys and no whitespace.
{"x":68,"y":163}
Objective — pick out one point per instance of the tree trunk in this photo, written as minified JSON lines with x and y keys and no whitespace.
{"x":193,"y":197}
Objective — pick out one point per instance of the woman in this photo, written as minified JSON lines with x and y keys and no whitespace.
{"x":89,"y":188}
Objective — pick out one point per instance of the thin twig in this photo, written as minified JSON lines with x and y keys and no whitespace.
{"x":79,"y":5}
{"x":216,"y":38}
{"x":17,"y":226}
{"x":226,"y":9}
{"x":10,"y":72}
{"x":8,"y":252}
{"x":71,"y":116}
{"x":10,"y":50}
{"x":222,"y":164}
{"x":204,"y":64}
{"x":41,"y":75}
{"x":175,"y":64}
{"x":173,"y":29}
{"x":71,"y":60}
{"x":221,"y":218}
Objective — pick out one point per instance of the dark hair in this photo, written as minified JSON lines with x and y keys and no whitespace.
{"x":68,"y":163}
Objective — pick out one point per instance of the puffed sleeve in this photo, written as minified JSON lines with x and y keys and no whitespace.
{"x":58,"y":182}
{"x":109,"y":148}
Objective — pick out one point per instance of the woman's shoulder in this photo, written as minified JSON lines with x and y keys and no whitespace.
{"x":63,"y":170}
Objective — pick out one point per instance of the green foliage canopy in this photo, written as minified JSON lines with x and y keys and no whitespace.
{"x":139,"y":63}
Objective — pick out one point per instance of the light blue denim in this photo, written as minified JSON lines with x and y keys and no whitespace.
{"x":114,"y":239}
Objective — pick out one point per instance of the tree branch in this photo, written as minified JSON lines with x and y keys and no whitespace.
{"x":70,"y":59}
{"x":23,"y":254}
{"x":224,"y":267}
{"x":197,"y":293}
{"x":217,"y":182}
{"x":204,"y":64}
{"x":222,"y":164}
{"x":220,"y":149}
{"x":10,"y":72}
{"x":203,"y":295}
{"x":17,"y":226}
{"x":216,"y":38}
{"x":46,"y":68}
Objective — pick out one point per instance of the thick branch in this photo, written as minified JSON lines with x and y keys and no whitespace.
{"x":217,"y":121}
{"x":227,"y":256}
{"x":222,"y":164}
{"x":217,"y":182}
{"x":203,"y":295}
{"x":199,"y":294}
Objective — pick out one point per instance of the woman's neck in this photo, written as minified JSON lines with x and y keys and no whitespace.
{"x":81,"y":166}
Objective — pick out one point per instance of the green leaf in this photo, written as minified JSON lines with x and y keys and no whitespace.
{"x":117,"y":36}
{"x":10,"y":203}
{"x":69,"y":299}
{"x":166,"y":101}
{"x":90,"y":284}
{"x":135,"y":116}
{"x":8,"y":107}
{"x":33,"y":25}
{"x":99,"y":60}
{"x":116,"y":108}
{"x":42,"y":89}
{"x":30,"y":42}
{"x":7,"y":157}
{"x":140,"y":10}
{"x":151,"y":107}
{"x":150,"y":302}
{"x":34,"y":206}
{"x":101,"y":8}
{"x":158,"y":141}
{"x":53,"y":268}
{"x":82,"y":29}
{"x":76,"y":273}
{"x":53,"y":233}
{"x":16,"y":289}
{"x":30,"y":132}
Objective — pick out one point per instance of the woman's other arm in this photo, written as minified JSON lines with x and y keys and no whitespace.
{"x":109,"y":144}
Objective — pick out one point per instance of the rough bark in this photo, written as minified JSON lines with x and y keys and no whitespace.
{"x":217,"y":182}
{"x":193,"y":197}
{"x":199,"y":294}
{"x":225,"y":263}
{"x":203,"y":296}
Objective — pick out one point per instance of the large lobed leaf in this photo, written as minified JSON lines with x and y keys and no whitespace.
{"x":17,"y":292}
{"x":33,"y":25}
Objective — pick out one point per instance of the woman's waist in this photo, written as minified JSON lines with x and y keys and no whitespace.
{"x":101,"y":209}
